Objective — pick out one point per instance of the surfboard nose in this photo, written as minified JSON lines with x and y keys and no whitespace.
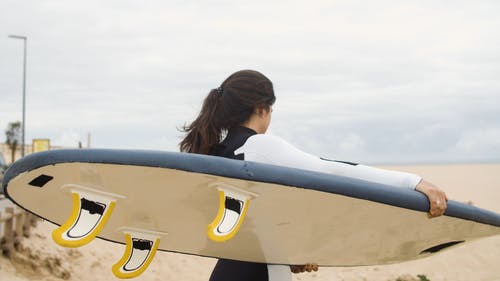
{"x":233,"y":206}
{"x":91,"y":210}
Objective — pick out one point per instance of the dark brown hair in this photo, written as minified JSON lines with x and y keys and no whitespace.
{"x":225,"y":107}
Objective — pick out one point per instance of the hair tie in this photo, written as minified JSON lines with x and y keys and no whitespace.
{"x":218,"y":91}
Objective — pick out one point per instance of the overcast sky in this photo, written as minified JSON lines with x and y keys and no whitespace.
{"x":368,"y":81}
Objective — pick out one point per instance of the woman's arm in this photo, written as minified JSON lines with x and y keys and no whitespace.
{"x":274,"y":150}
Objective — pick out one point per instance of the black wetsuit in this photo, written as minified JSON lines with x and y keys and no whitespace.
{"x":230,"y":270}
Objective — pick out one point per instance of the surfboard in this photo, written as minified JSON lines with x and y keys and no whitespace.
{"x":233,"y":209}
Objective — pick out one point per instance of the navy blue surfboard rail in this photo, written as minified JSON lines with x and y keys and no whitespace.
{"x":251,"y":171}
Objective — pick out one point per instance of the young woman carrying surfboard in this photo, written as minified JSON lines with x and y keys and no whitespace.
{"x":232,"y":123}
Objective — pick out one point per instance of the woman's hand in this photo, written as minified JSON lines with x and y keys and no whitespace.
{"x":437,"y":198}
{"x":306,"y":267}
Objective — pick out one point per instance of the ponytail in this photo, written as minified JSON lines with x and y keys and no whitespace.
{"x":226,"y":107}
{"x":205,"y":131}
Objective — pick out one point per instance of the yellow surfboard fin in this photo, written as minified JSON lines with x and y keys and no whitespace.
{"x":141,"y":246}
{"x":233,"y":206}
{"x":91,"y":210}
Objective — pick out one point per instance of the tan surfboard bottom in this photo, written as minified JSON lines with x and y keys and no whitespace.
{"x":283,"y":225}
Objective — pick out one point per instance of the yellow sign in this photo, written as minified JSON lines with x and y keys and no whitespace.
{"x":41,"y":145}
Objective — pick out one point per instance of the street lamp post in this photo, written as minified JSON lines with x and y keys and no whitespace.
{"x":25,"y":39}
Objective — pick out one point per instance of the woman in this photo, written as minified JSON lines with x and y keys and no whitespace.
{"x":232,"y":123}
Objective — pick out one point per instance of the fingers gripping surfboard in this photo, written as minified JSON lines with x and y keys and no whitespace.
{"x":91,"y":210}
{"x":233,"y":206}
{"x":141,"y":246}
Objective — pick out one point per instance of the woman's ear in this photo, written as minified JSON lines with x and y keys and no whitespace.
{"x":262,"y":111}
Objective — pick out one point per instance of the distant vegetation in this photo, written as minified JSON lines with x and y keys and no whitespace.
{"x":13,"y":137}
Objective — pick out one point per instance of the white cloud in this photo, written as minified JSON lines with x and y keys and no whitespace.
{"x":370,"y":81}
{"x":478,"y":142}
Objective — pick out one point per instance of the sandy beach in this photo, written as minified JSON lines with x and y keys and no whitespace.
{"x":39,"y":258}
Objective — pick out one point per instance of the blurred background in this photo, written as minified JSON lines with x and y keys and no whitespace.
{"x":385,"y":82}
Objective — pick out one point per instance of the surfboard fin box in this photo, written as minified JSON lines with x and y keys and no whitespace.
{"x":141,"y":246}
{"x":233,"y":206}
{"x":91,"y":210}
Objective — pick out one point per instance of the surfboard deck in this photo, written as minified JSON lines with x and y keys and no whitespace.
{"x":296,"y":217}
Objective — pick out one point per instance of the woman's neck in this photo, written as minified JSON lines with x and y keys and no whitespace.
{"x":254,"y":126}
{"x":259,"y":120}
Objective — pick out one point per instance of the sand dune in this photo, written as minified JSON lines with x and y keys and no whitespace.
{"x":39,"y":258}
